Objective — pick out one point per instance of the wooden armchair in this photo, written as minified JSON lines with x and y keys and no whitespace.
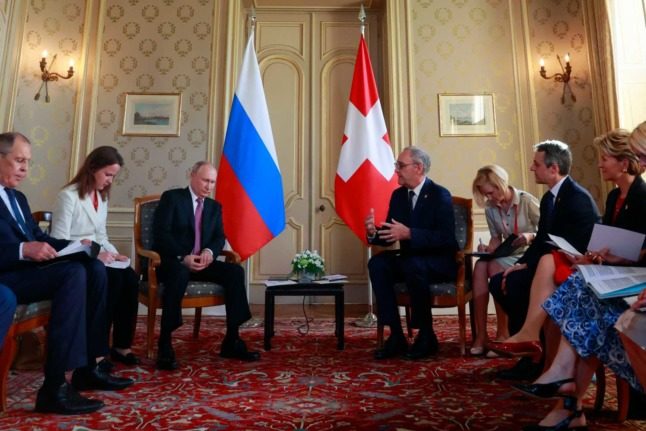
{"x":449,"y":294}
{"x":198,"y":293}
{"x":27,"y":318}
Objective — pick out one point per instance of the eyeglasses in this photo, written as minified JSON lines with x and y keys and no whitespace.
{"x":401,"y":165}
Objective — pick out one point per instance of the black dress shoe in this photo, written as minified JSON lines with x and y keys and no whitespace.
{"x":237,"y":349}
{"x":543,"y":390}
{"x":65,"y":401}
{"x":525,"y":369}
{"x":105,"y":365}
{"x":128,"y":359}
{"x":423,"y":347}
{"x":393,"y":347}
{"x":570,"y":404}
{"x":97,"y":379}
{"x":166,"y":357}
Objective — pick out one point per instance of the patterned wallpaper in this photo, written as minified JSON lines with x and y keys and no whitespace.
{"x":465,"y":47}
{"x":58,"y":28}
{"x":155,"y":47}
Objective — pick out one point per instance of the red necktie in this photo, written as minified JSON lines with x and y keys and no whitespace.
{"x":197,"y":245}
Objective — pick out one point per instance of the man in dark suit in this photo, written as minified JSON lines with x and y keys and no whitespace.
{"x":188,"y":253}
{"x":77,"y":332}
{"x":420,"y":217}
{"x":7,"y":310}
{"x":567,"y":210}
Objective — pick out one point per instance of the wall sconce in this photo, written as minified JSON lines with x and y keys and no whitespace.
{"x":563,"y":77}
{"x":47,"y":76}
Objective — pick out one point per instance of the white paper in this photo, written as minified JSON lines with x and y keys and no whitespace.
{"x":564,"y":245}
{"x":270,"y":283}
{"x":614,"y":281}
{"x":334,"y":277}
{"x":621,"y":242}
{"x":73,"y":247}
{"x":118,"y":264}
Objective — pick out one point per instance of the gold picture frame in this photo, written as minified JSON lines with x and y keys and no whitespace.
{"x":152,"y":114}
{"x":463,"y":114}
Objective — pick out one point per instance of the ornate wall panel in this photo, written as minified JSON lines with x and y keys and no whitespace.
{"x":155,"y":47}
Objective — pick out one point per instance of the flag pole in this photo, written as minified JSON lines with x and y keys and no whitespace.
{"x":254,"y":322}
{"x":369,"y":320}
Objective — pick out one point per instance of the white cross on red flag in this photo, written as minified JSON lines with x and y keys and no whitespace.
{"x":365,"y":176}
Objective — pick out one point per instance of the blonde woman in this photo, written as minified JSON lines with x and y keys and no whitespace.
{"x":508,"y":211}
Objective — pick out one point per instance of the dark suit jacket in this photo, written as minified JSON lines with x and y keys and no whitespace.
{"x":575,"y":214}
{"x":11,"y":236}
{"x":174,"y":225}
{"x":432,"y":225}
{"x":632,"y":214}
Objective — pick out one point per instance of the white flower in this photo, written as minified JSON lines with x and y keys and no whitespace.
{"x":309,"y":262}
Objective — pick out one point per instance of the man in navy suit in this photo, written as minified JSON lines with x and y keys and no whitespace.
{"x":7,"y":310}
{"x":186,"y":256}
{"x":77,"y":332}
{"x":567,"y":210}
{"x":420,"y":217}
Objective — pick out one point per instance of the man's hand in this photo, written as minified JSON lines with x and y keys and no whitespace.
{"x":194,"y":262}
{"x":394,"y":231}
{"x":516,"y":267}
{"x":206,"y":257}
{"x":38,"y":251}
{"x":369,"y":223}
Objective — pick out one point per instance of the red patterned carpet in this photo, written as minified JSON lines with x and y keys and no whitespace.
{"x":304,"y":383}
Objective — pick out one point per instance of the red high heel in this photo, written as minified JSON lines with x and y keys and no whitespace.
{"x":533,"y":349}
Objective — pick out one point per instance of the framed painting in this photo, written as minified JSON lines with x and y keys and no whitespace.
{"x":152,"y":114}
{"x":467,"y":114}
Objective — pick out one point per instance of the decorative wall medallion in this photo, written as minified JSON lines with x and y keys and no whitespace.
{"x":585,"y":116}
{"x":51,"y":25}
{"x":136,"y":191}
{"x":177,"y":155}
{"x":71,"y":12}
{"x":185,"y":13}
{"x":168,"y":2}
{"x":542,"y":15}
{"x":150,"y":12}
{"x":545,"y":49}
{"x":37,"y":6}
{"x":201,"y":30}
{"x":166,"y":29}
{"x":445,"y":49}
{"x":157,"y":174}
{"x":443,"y":15}
{"x":111,"y":47}
{"x":198,"y":100}
{"x":33,"y":39}
{"x":115,"y":13}
{"x":461,"y":32}
{"x":504,"y":139}
{"x":164,"y":65}
{"x":131,"y":29}
{"x":181,"y":82}
{"x":426,"y":32}
{"x":200,"y":65}
{"x":573,"y":7}
{"x":128,"y":64}
{"x":560,"y":29}
{"x":139,"y":156}
{"x":459,"y":3}
{"x":37,"y":173}
{"x":106,"y":118}
{"x":196,"y":137}
{"x":159,"y":142}
{"x":589,"y":154}
{"x":577,"y":43}
{"x":109,"y":81}
{"x":147,"y":47}
{"x":183,"y":47}
{"x":477,"y":15}
{"x":425,"y":3}
{"x":68,"y":45}
{"x":38,"y":135}
{"x":572,"y":136}
{"x":145,"y":82}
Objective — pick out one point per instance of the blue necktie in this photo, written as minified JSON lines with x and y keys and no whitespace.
{"x":17,"y":214}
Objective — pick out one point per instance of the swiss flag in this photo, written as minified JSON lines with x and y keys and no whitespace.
{"x":365,"y":177}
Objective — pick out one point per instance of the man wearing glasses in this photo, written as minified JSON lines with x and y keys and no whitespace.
{"x":420,"y":217}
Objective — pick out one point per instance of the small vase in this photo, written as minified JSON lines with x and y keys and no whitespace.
{"x":306,"y":277}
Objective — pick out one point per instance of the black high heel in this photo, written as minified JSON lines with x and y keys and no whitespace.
{"x":542,"y":390}
{"x":569,"y":403}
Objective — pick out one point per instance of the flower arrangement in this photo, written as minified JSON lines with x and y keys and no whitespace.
{"x":308,"y":262}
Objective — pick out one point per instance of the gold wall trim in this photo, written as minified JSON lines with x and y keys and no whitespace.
{"x":15,"y":18}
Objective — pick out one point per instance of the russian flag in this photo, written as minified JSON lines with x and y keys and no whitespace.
{"x":249,"y":184}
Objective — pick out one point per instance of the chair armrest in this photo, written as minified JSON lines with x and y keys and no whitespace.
{"x":230,"y":256}
{"x":153,"y":256}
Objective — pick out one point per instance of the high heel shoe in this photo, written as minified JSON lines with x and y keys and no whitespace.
{"x":476,"y":351}
{"x":569,"y":403}
{"x":543,"y":390}
{"x":533,"y":349}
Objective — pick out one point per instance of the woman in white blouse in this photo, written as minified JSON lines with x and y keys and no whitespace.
{"x":508,"y":211}
{"x":81,"y":211}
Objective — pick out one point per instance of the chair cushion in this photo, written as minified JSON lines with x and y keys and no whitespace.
{"x":27,"y":311}
{"x":437,"y":289}
{"x":194,"y":289}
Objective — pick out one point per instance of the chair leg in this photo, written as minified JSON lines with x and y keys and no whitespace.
{"x":409,"y":328}
{"x":150,"y":328}
{"x":197,"y":322}
{"x":623,"y":399}
{"x":601,"y":388}
{"x":6,"y":357}
{"x":462,"y":323}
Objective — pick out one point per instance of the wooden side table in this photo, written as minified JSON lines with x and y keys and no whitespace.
{"x":304,"y":289}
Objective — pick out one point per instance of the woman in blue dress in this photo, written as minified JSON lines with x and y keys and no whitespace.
{"x":587,"y":323}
